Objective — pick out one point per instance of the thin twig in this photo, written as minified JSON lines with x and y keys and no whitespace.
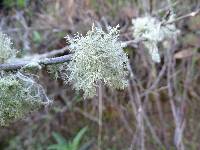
{"x":54,"y":52}
{"x":165,"y":8}
{"x":133,"y":42}
{"x":26,"y":43}
{"x":100,"y":100}
{"x":137,"y":109}
{"x":87,"y":115}
{"x":192,"y":14}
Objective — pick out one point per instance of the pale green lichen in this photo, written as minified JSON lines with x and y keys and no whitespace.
{"x":6,"y":50}
{"x":151,"y":31}
{"x":33,"y":64}
{"x":55,"y":70}
{"x":98,"y":56}
{"x":19,"y":96}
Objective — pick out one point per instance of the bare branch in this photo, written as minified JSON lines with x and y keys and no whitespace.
{"x":54,"y":52}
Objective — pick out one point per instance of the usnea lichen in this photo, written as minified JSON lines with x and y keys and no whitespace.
{"x":151,"y":31}
{"x":98,"y":56}
{"x":6,"y":50}
{"x":55,"y":70}
{"x":18,"y":97}
{"x":19,"y":94}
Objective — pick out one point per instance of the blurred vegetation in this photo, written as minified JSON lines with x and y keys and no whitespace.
{"x":15,"y":3}
{"x":39,"y":26}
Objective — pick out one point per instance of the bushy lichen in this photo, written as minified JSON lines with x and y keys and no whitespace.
{"x":6,"y":50}
{"x":19,"y":94}
{"x":98,"y":56}
{"x":18,"y":97}
{"x":55,"y":70}
{"x":151,"y":31}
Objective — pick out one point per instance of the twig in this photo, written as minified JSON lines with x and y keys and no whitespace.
{"x":140,"y":112}
{"x":175,"y":105}
{"x":192,"y":14}
{"x":87,"y":115}
{"x":165,"y":8}
{"x":154,"y":85}
{"x":100,"y":100}
{"x":54,"y":52}
{"x":133,"y":41}
{"x":26,"y":43}
{"x":137,"y":109}
{"x":46,"y":61}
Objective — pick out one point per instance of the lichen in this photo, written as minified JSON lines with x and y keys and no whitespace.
{"x":18,"y":97}
{"x":54,"y":70}
{"x":151,"y":31}
{"x":32,"y":64}
{"x":6,"y":50}
{"x":98,"y":56}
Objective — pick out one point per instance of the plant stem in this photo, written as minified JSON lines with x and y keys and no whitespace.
{"x":100,"y":101}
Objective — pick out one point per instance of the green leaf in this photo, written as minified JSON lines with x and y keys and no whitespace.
{"x":59,"y":139}
{"x":58,"y":147}
{"x":62,"y":144}
{"x":77,"y":139}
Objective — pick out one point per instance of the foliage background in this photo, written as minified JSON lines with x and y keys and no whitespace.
{"x":38,"y":26}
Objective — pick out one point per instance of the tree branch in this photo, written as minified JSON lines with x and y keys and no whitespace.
{"x":45,"y":61}
{"x":54,"y":52}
